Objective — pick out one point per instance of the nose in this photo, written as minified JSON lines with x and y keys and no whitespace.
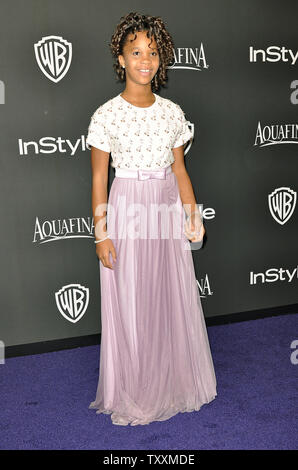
{"x":146,"y":60}
{"x":146,"y":63}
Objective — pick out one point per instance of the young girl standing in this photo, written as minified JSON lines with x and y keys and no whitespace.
{"x":155,"y":358}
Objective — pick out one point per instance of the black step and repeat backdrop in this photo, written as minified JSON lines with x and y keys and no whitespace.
{"x":235,"y":76}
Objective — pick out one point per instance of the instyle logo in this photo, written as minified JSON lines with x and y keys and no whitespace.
{"x":72,"y":301}
{"x":273,"y":275}
{"x":50,"y":145}
{"x":275,"y":134}
{"x":53,"y":55}
{"x":282,"y":202}
{"x":273,"y":54}
{"x":190,"y":58}
{"x":62,"y":229}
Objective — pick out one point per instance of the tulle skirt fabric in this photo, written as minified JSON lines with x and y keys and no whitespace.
{"x":155,"y":359}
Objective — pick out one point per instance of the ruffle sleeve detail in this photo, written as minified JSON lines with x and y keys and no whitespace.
{"x":184,"y":133}
{"x":97,"y":134}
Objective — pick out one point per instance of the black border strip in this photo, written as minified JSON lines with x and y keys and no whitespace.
{"x":91,"y":340}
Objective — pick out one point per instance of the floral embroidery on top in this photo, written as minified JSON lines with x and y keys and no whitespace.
{"x":139,"y":138}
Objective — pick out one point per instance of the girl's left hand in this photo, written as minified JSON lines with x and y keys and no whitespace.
{"x":194,"y":228}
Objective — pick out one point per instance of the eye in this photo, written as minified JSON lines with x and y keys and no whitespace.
{"x":137,"y":52}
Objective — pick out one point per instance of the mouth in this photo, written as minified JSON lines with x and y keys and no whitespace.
{"x":145,"y":72}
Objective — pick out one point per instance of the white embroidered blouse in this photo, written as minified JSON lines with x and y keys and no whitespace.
{"x":139,"y":138}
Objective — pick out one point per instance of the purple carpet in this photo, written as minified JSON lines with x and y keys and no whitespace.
{"x":45,"y":398}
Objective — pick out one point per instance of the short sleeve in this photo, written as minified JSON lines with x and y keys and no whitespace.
{"x":184,"y":133}
{"x":97,"y":134}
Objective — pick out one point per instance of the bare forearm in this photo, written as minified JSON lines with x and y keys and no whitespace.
{"x":186,"y":191}
{"x":99,"y":198}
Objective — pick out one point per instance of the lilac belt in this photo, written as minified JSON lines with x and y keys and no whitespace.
{"x":161,"y":173}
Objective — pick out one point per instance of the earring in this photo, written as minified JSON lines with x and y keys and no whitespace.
{"x":123,"y":66}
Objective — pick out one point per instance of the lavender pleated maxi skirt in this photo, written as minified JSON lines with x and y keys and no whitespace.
{"x":155,"y":358}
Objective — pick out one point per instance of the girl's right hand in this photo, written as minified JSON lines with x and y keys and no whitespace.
{"x":103,"y":250}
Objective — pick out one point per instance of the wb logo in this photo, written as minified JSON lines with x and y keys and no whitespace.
{"x":72,"y":301}
{"x":53,"y":55}
{"x":282,"y":202}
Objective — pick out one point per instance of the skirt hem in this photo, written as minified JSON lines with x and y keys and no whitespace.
{"x":117,"y":419}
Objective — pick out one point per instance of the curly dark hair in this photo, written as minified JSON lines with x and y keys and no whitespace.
{"x":134,"y":22}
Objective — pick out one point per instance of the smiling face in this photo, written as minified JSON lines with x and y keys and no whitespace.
{"x":140,"y":58}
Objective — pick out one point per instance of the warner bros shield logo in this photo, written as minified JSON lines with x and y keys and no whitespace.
{"x":282,"y":202}
{"x":53,"y":55}
{"x":72,"y":301}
